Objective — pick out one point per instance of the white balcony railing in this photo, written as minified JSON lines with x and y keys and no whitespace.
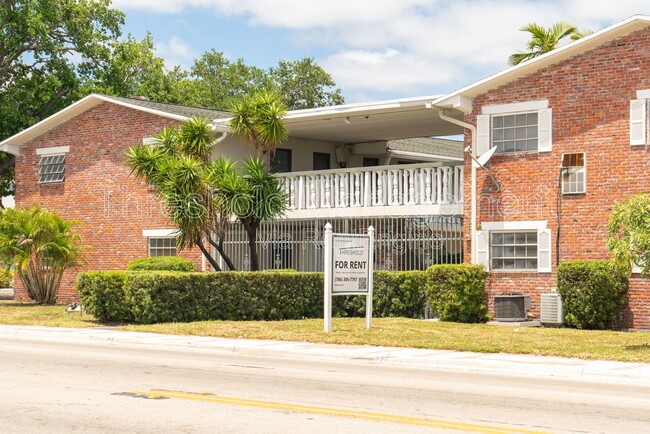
{"x":375,"y":187}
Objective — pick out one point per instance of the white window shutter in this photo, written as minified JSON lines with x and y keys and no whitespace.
{"x":482,"y":245}
{"x":482,"y":134}
{"x":545,"y":130}
{"x":637,"y":121}
{"x":544,"y":259}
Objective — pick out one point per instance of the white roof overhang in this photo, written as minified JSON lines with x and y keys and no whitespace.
{"x":369,"y":122}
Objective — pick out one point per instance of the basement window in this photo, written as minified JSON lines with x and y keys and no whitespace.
{"x":52,"y":169}
{"x":574,"y":173}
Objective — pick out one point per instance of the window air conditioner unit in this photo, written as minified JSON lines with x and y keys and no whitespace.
{"x":511,"y":307}
{"x":551,"y":309}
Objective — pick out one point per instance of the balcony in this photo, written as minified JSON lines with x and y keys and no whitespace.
{"x":414,"y":189}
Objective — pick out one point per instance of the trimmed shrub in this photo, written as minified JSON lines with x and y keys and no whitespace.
{"x":6,"y":278}
{"x":395,"y":294}
{"x":102,"y":294}
{"x":155,"y":297}
{"x":456,"y":292}
{"x":161,"y":263}
{"x":593,"y":293}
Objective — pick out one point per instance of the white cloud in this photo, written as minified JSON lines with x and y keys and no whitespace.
{"x":422,"y":46}
{"x":176,"y":52}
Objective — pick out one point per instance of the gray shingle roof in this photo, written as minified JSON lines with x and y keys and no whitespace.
{"x":176,"y":109}
{"x":429,"y":145}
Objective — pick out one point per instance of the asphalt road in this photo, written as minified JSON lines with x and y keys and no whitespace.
{"x":53,"y":387}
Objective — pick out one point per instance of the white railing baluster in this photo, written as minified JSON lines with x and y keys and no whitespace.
{"x":418,"y":184}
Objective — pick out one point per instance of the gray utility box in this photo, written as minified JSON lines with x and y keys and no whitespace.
{"x":511,"y":307}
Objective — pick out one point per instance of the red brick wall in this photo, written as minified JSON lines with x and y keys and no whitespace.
{"x":111,"y":205}
{"x":590,"y":96}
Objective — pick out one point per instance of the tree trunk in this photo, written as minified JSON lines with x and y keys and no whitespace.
{"x":222,"y":252}
{"x":207,"y":255}
{"x":251,"y":231}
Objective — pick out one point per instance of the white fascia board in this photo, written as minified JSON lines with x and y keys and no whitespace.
{"x":423,"y":156}
{"x":10,"y":149}
{"x":514,"y":226}
{"x":574,"y":48}
{"x":515,"y":107}
{"x":160,"y":233}
{"x":53,"y":150}
{"x":142,"y":109}
{"x":33,"y":131}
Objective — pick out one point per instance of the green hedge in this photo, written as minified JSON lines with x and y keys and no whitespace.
{"x":182,"y":297}
{"x":594,"y":293}
{"x":161,"y":263}
{"x":103,"y":295}
{"x":162,"y":296}
{"x":457,"y":292}
{"x":6,"y":278}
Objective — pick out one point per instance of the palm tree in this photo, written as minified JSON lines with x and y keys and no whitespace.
{"x":41,"y":246}
{"x":255,"y":195}
{"x":542,"y":40}
{"x":178,"y":167}
{"x":258,"y":119}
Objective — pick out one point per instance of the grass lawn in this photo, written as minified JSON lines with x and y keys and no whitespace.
{"x":395,"y":332}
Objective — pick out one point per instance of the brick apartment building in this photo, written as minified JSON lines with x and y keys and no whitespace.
{"x":571,"y":135}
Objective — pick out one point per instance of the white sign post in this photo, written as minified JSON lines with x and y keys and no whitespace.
{"x":348,"y":269}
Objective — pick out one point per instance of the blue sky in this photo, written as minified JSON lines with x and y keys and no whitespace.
{"x":374,"y":49}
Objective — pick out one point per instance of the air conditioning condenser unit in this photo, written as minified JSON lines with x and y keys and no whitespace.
{"x":551,"y":309}
{"x":511,"y":307}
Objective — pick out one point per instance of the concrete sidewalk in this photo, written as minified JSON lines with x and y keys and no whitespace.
{"x":506,"y":364}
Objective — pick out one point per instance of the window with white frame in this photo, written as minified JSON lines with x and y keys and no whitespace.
{"x":517,"y":127}
{"x":574,"y":173}
{"x":515,"y":133}
{"x":162,"y":247}
{"x":639,"y":121}
{"x":513,"y":250}
{"x":514,"y":246}
{"x":51,"y":164}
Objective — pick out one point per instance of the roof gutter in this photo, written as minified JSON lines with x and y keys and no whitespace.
{"x":473,"y":225}
{"x":422,"y":156}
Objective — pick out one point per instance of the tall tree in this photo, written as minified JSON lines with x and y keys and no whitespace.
{"x":178,"y":167}
{"x":305,"y":84}
{"x":542,"y":40}
{"x":41,"y":44}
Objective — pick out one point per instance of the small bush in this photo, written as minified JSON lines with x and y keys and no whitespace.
{"x":161,"y":263}
{"x":395,"y":294}
{"x":6,"y":278}
{"x":593,"y":293}
{"x":457,"y":292}
{"x":102,"y":294}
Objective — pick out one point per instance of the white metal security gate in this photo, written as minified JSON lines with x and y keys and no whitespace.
{"x":401,"y":243}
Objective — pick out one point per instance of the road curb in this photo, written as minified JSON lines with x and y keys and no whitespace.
{"x":498,"y":363}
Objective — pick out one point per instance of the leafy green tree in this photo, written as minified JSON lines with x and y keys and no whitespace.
{"x":40,"y":246}
{"x":259,"y":120}
{"x":38,"y":40}
{"x":628,"y":237}
{"x":542,"y":40}
{"x":305,"y":84}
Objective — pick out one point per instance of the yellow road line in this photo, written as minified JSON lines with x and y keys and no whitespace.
{"x":298,"y":408}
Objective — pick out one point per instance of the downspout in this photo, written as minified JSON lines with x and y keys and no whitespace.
{"x":472,"y":128}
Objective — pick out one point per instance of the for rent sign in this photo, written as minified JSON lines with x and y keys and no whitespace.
{"x":350,"y":264}
{"x":348,"y":269}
